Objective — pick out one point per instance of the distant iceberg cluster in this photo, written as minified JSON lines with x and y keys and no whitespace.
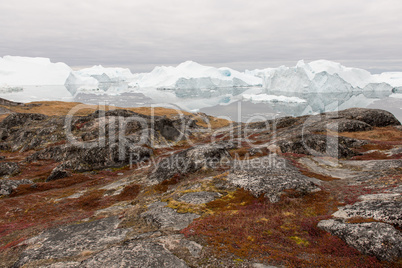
{"x":191,"y":80}
{"x":324,"y":76}
{"x":191,"y":75}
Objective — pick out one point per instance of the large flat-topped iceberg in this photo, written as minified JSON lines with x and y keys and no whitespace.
{"x":23,"y":71}
{"x":190,"y":74}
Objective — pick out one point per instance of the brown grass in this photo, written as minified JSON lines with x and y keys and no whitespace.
{"x":130,"y":192}
{"x":30,"y":209}
{"x":360,"y":220}
{"x":63,"y":108}
{"x":164,"y":185}
{"x":214,"y":122}
{"x":376,"y":156}
{"x":283,"y":233}
{"x":375,"y":151}
{"x":378,"y":134}
{"x":2,"y":116}
{"x":58,"y":108}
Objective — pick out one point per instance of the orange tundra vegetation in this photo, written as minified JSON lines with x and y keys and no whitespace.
{"x":283,"y":233}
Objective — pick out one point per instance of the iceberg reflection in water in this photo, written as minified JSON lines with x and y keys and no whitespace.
{"x":252,"y":102}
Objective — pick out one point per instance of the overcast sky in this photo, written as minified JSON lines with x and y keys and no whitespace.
{"x":140,"y":34}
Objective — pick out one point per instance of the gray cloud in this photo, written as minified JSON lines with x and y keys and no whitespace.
{"x":239,"y":34}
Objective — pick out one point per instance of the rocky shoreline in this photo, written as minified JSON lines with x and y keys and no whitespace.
{"x":130,"y":188}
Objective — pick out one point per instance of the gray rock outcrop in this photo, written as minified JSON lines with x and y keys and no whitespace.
{"x":9,"y":169}
{"x":135,"y":254}
{"x":270,"y":176}
{"x":72,"y":240}
{"x":7,"y":186}
{"x":188,"y":161}
{"x":377,"y":239}
{"x":165,"y":217}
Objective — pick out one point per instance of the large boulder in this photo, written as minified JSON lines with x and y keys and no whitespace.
{"x":320,"y":145}
{"x":373,"y":117}
{"x":272,"y":176}
{"x":19,"y":119}
{"x":72,"y":240}
{"x":167,"y":127}
{"x":4,"y":134}
{"x":189,"y":161}
{"x":80,"y":158}
{"x":348,"y":125}
{"x":8,"y":186}
{"x":381,"y":207}
{"x":58,"y":173}
{"x":375,"y":238}
{"x":165,"y":217}
{"x":9,"y":169}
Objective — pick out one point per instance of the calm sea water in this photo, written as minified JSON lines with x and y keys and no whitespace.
{"x":223,"y":103}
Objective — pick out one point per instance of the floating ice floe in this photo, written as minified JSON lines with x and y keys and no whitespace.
{"x":271,"y":98}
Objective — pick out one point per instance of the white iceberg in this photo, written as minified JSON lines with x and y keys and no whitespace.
{"x":76,"y":83}
{"x":99,"y":79}
{"x":354,"y":76}
{"x":191,"y":75}
{"x":302,"y":80}
{"x":392,"y":78}
{"x":23,"y":71}
{"x":4,"y":88}
{"x":324,"y":76}
{"x":112,"y":74}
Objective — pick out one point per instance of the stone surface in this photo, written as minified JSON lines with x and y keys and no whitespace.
{"x":179,"y":243}
{"x":4,"y":134}
{"x":188,"y":161}
{"x":165,"y":217}
{"x":135,"y":254}
{"x":270,"y":176}
{"x":84,"y":159}
{"x":348,"y":125}
{"x":72,"y":240}
{"x":63,"y":265}
{"x":58,"y":173}
{"x":377,"y":239}
{"x":9,"y":169}
{"x":19,"y":119}
{"x":382,"y":210}
{"x":100,"y":243}
{"x":260,"y":265}
{"x":373,"y":117}
{"x":320,"y":145}
{"x":199,"y":198}
{"x":7,"y":186}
